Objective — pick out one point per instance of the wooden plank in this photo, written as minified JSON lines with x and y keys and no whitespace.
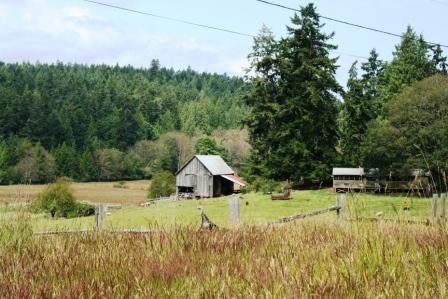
{"x":305,"y":215}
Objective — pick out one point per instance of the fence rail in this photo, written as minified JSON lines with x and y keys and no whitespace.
{"x":235,"y":216}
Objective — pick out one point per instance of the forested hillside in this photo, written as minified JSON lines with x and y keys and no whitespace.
{"x":292,"y":120}
{"x":80,"y":121}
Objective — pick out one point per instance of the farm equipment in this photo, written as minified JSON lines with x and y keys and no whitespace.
{"x":284,"y":196}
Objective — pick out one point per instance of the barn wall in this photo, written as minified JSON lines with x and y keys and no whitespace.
{"x":197,"y":176}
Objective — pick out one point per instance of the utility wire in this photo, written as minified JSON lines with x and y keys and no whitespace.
{"x":348,"y":23}
{"x":439,"y":2}
{"x":195,"y":24}
{"x":169,"y":18}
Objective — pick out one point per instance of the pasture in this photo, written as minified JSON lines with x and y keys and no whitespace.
{"x":130,"y":192}
{"x":256,"y":208}
{"x":317,"y":257}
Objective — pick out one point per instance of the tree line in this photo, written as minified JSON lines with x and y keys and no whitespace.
{"x":289,"y":119}
{"x":104,"y":122}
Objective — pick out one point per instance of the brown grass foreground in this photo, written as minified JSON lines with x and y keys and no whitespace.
{"x":305,"y":259}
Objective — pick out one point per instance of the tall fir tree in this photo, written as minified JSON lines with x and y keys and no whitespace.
{"x":361,"y":106}
{"x":299,"y":142}
{"x":353,"y":119}
{"x":66,"y":161}
{"x":264,"y":75}
{"x":413,"y":60}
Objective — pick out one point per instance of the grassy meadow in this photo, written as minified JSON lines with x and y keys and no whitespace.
{"x":256,"y":208}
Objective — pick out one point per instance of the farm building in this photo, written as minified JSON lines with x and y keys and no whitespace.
{"x":348,"y":179}
{"x":206,"y":176}
{"x":360,"y":179}
{"x":417,"y":180}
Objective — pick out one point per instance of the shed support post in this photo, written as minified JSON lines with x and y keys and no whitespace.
{"x":443,"y":205}
{"x":435,"y":196}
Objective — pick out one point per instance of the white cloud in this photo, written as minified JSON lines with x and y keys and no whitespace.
{"x":48,"y":33}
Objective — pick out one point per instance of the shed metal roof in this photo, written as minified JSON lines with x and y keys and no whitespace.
{"x":215,"y":164}
{"x":348,"y":171}
{"x":235,"y":179}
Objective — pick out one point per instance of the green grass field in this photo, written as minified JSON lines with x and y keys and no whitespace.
{"x":256,"y":208}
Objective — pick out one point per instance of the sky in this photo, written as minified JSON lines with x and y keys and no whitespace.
{"x":76,"y":31}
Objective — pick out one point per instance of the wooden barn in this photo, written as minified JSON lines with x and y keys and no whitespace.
{"x":206,"y":176}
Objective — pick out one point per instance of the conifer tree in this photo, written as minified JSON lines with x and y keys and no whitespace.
{"x":297,"y":90}
{"x":361,"y":106}
{"x":413,"y":60}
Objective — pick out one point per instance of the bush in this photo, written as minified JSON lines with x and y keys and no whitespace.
{"x":267,"y":186}
{"x":85,"y":209}
{"x":58,"y":200}
{"x":163,"y":184}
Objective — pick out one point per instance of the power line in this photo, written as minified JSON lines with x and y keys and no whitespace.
{"x":169,"y":18}
{"x":439,"y":2}
{"x":348,"y":23}
{"x":195,"y":24}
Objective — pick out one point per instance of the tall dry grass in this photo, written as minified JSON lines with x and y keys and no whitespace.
{"x":306,"y":259}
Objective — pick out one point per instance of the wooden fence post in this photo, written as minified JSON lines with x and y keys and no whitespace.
{"x":435,"y":196}
{"x":234,"y":210}
{"x":338,"y":205}
{"x":343,"y":203}
{"x":443,"y":205}
{"x":99,"y":216}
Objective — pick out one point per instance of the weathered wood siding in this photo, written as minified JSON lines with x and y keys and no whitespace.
{"x":357,"y":184}
{"x":197,"y":176}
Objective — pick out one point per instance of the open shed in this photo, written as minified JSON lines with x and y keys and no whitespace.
{"x":348,"y":179}
{"x":206,"y":176}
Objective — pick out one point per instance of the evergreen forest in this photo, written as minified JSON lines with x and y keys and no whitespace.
{"x":288,"y":119}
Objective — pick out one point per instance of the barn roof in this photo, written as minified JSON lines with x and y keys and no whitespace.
{"x":214,"y":163}
{"x":348,"y":171}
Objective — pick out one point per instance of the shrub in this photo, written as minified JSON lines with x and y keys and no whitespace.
{"x":58,"y":200}
{"x":264,"y":185}
{"x":85,"y":209}
{"x":163,"y":184}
